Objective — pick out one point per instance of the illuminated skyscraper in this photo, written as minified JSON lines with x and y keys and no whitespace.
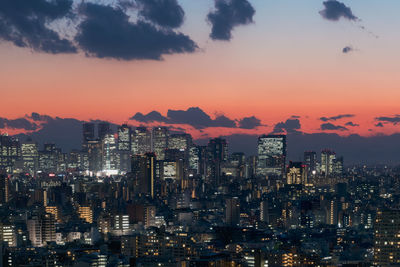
{"x":10,"y":152}
{"x":328,"y":158}
{"x":179,"y":141}
{"x":124,"y":147}
{"x":140,"y":141}
{"x":271,"y":155}
{"x":48,"y":158}
{"x":30,"y":156}
{"x":110,"y":154}
{"x":194,"y":159}
{"x":160,"y":141}
{"x":124,"y":138}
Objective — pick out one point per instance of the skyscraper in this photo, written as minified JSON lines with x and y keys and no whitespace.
{"x":328,"y":158}
{"x":144,"y":173}
{"x":217,"y":152}
{"x":87,"y":134}
{"x":124,"y":147}
{"x":179,"y":141}
{"x":103,"y":129}
{"x":10,"y":152}
{"x":110,"y":154}
{"x":140,"y":141}
{"x":310,"y":160}
{"x":271,"y":155}
{"x":160,"y":141}
{"x":30,"y":156}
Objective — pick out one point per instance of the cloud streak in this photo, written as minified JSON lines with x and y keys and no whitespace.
{"x":338,"y":117}
{"x":331,"y":127}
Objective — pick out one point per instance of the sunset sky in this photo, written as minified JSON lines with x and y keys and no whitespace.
{"x":288,"y":61}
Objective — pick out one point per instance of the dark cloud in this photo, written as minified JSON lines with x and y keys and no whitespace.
{"x":197,"y":118}
{"x":153,"y":116}
{"x":350,"y":123}
{"x":227,"y":15}
{"x":249,"y":122}
{"x":20,"y":123}
{"x":347,"y":49}
{"x":290,"y":125}
{"x":25,"y":24}
{"x":338,"y":117}
{"x":223,"y":121}
{"x":37,"y":117}
{"x":165,"y":13}
{"x":379,"y":124}
{"x":394,"y":120}
{"x":335,"y":10}
{"x":106,"y":32}
{"x":332,"y":127}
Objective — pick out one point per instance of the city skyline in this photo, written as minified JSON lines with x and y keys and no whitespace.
{"x":338,"y":65}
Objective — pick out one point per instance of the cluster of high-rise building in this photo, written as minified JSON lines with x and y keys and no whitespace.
{"x":151,"y":197}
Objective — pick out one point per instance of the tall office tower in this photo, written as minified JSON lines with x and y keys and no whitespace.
{"x":271,"y":155}
{"x":180,"y":141}
{"x":124,"y":147}
{"x":10,"y":152}
{"x":145,"y":171}
{"x":4,"y":189}
{"x":338,"y":166}
{"x":124,"y":138}
{"x":95,"y":155}
{"x":232,"y":211}
{"x":387,"y":238}
{"x":110,"y":154}
{"x":310,"y":160}
{"x":217,"y":153}
{"x":174,"y":165}
{"x":85,"y":213}
{"x":160,"y":141}
{"x":296,"y":173}
{"x":103,"y":128}
{"x":30,"y":156}
{"x":140,"y":141}
{"x":48,"y":158}
{"x":194,"y":159}
{"x":328,"y":158}
{"x":218,"y":149}
{"x":87,"y":134}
